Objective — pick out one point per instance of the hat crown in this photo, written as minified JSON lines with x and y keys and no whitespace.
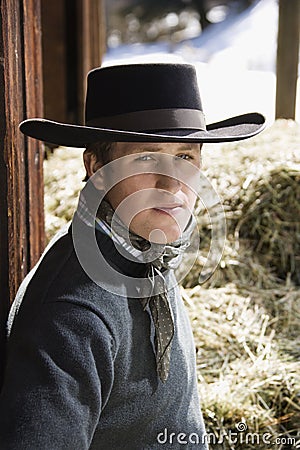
{"x":119,"y":90}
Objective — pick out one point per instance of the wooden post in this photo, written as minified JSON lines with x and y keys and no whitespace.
{"x":91,"y":42}
{"x":73,"y":43}
{"x":21,"y":194}
{"x":287,"y":58}
{"x":54,"y":30}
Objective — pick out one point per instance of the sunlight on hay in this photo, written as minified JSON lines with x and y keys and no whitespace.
{"x":63,"y":175}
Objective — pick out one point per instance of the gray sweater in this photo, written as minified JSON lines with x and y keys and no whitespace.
{"x":81,"y":370}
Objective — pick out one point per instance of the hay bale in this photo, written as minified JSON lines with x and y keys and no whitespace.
{"x":239,"y":266}
{"x":270,"y":221}
{"x":246,"y":374}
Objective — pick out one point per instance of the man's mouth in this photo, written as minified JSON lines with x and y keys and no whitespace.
{"x":170,"y":208}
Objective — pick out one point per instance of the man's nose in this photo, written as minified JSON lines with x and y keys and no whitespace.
{"x":168,"y":183}
{"x":167,"y":177}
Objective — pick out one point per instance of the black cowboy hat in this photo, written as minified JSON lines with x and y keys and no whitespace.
{"x":144,"y":103}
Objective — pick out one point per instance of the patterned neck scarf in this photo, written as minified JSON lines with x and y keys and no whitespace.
{"x":160,"y":258}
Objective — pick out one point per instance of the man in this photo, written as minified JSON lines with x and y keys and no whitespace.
{"x":100,"y":350}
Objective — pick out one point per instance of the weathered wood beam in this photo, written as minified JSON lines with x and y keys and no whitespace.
{"x":287,"y":58}
{"x":21,"y":194}
{"x":91,"y":41}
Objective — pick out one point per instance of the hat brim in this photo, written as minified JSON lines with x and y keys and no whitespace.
{"x":234,"y":129}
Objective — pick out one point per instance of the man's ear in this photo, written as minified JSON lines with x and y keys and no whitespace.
{"x":91,"y":166}
{"x":90,"y":163}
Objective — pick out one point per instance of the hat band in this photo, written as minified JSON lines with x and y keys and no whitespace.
{"x":154,"y":119}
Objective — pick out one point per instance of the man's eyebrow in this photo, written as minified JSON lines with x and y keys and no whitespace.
{"x":158,"y":149}
{"x":146,"y":149}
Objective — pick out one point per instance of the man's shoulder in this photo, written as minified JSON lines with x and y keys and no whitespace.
{"x":71,"y":281}
{"x":59,"y":277}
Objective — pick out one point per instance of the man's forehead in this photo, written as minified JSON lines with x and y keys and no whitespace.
{"x":127,"y":148}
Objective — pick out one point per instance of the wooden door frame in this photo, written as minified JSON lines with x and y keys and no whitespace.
{"x":21,"y":158}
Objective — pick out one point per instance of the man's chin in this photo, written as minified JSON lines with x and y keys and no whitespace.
{"x":163,"y":231}
{"x":161,"y":236}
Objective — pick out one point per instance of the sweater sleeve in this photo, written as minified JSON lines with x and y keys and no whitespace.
{"x":58,"y":378}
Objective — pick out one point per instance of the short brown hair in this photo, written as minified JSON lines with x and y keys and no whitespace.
{"x":102,"y":151}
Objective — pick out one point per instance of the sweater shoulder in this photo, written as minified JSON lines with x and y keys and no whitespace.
{"x":59,"y":277}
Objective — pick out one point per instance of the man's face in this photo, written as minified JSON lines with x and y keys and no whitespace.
{"x":155,"y":205}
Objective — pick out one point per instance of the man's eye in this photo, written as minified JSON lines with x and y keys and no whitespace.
{"x":145,"y":158}
{"x":184,"y":156}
